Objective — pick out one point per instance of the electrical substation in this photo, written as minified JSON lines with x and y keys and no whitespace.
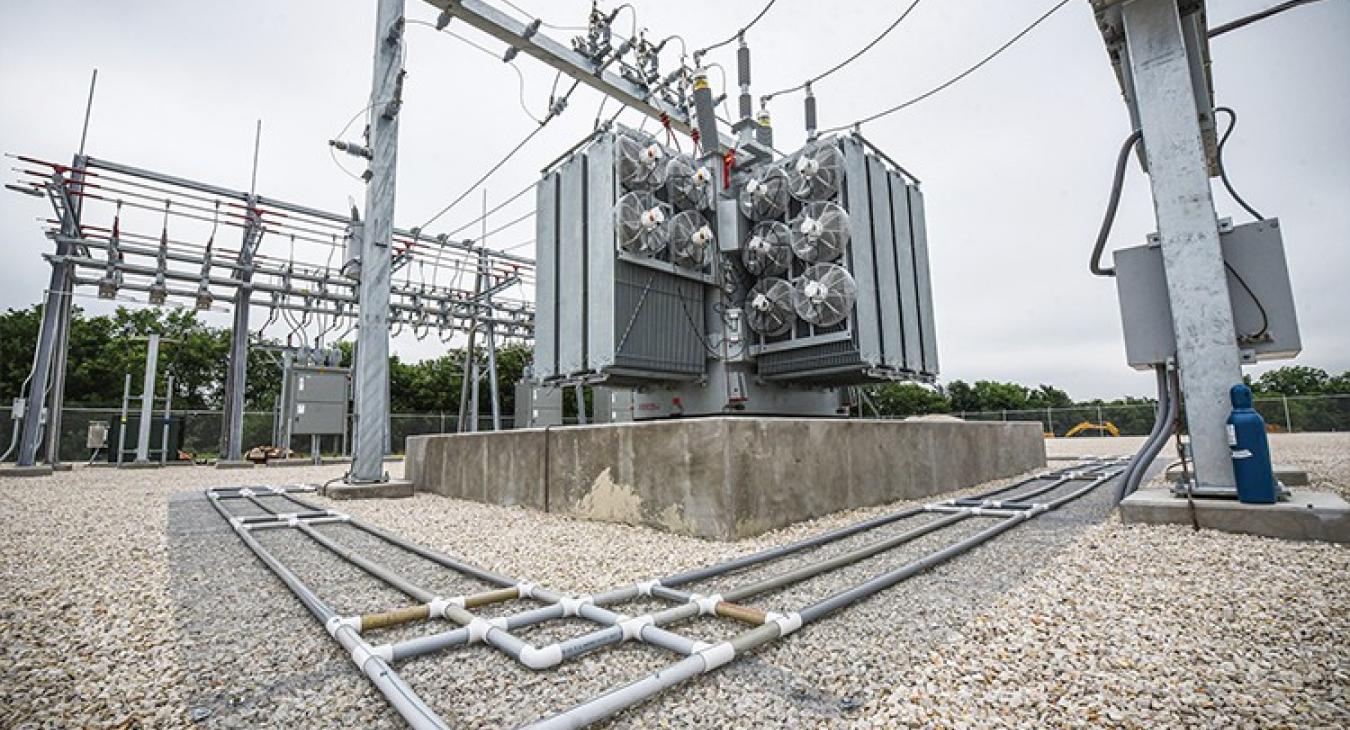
{"x":706,"y":314}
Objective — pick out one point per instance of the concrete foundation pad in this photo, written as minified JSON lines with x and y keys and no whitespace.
{"x":40,"y":470}
{"x":1307,"y":515}
{"x":241,"y":464}
{"x":139,"y":465}
{"x":722,"y":478}
{"x":392,"y":489}
{"x":63,"y":467}
{"x":291,"y":462}
{"x":1289,"y":476}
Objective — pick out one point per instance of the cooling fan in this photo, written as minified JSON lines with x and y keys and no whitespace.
{"x":769,"y":307}
{"x":765,"y":195}
{"x":768,"y":250}
{"x":824,"y":295}
{"x":815,"y":174}
{"x":691,"y":184}
{"x":641,"y":161}
{"x":689,"y":236}
{"x":640,"y":220}
{"x":820,"y":232}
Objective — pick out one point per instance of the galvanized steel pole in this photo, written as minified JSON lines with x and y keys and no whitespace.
{"x":372,"y":366}
{"x":1197,"y":285}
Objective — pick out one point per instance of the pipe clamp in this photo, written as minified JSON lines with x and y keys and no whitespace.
{"x":786,"y":623}
{"x":524,"y":590}
{"x":644,"y":587}
{"x":570,"y":606}
{"x":706,"y":604}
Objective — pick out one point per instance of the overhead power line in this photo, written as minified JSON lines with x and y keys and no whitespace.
{"x":1246,"y":20}
{"x":956,"y":78}
{"x":848,"y":60}
{"x":700,"y":52}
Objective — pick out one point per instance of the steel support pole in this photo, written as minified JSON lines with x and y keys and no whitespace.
{"x":147,"y":400}
{"x":53,"y":335}
{"x":1197,"y":285}
{"x":236,"y":375}
{"x":122,"y":426}
{"x":492,"y":356}
{"x":164,"y":428}
{"x":372,"y":366}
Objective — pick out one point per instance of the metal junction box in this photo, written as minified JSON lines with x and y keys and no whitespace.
{"x":538,"y":406}
{"x":1253,"y":251}
{"x":319,"y":399}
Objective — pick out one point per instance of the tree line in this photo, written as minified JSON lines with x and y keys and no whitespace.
{"x":104,"y":348}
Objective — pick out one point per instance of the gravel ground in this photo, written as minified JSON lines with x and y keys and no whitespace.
{"x":126,"y":602}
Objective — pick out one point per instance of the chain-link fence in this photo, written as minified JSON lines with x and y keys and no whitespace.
{"x":201,"y":428}
{"x":1293,"y":414}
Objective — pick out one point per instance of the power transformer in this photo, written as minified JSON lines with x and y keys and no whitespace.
{"x":765,"y":289}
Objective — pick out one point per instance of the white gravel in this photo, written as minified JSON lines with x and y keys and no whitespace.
{"x":125,"y":603}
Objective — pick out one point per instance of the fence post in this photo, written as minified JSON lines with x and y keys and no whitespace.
{"x":1099,"y":415}
{"x":1288,"y":423}
{"x":442,"y":415}
{"x":1005,"y":414}
{"x":1049,"y":421}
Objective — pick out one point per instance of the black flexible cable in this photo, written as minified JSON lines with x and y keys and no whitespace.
{"x":1223,"y":176}
{"x":1223,"y":173}
{"x":1112,"y":204}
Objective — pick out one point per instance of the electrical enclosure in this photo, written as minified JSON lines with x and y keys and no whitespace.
{"x":1255,"y":251}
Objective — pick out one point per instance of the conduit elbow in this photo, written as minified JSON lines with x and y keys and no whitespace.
{"x":545,"y":658}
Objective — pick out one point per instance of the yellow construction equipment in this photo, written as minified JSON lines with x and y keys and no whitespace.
{"x":1105,"y":428}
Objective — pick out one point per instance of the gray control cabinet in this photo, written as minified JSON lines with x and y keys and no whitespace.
{"x":319,"y":400}
{"x":1253,"y":251}
{"x":538,"y":406}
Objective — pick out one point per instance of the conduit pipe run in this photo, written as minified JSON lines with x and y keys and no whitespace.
{"x":1008,"y":506}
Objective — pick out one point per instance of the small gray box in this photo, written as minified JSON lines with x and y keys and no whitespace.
{"x":538,"y":405}
{"x":97,"y":437}
{"x":1255,"y":251}
{"x":320,"y":398}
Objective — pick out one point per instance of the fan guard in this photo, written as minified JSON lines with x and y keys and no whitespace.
{"x":768,"y":250}
{"x":769,"y":307}
{"x":690,"y":237}
{"x":640,"y":223}
{"x":691,"y":184}
{"x":820,"y":232}
{"x":641,"y":162}
{"x":824,"y":295}
{"x":815,"y":174}
{"x":765,"y":195}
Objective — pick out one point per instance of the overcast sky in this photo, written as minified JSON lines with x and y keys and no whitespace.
{"x":1015,"y":160}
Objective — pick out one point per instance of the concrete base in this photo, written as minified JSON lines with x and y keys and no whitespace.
{"x":139,"y":465}
{"x":1307,"y":515}
{"x":1289,"y":476}
{"x":63,"y":467}
{"x":292,"y":462}
{"x":720,"y":477}
{"x":40,"y":470}
{"x":391,"y":489}
{"x":241,"y":464}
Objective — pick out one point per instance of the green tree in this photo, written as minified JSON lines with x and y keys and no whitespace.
{"x":908,"y":399}
{"x":1293,"y":380}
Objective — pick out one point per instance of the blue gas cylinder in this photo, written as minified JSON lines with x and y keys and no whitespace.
{"x":1251,"y":451}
